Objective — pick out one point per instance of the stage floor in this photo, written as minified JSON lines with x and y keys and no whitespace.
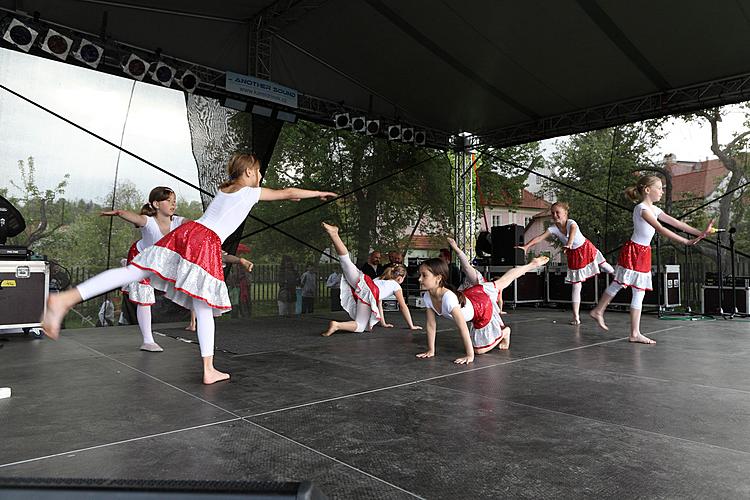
{"x":568,"y":412}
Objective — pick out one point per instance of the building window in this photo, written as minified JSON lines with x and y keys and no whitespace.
{"x":497,"y":220}
{"x":526,"y":221}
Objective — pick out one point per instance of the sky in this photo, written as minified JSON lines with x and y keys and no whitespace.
{"x":155,"y":127}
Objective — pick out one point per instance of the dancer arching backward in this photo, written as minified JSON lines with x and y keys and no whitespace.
{"x":155,"y":220}
{"x":186,"y":263}
{"x":634,"y":263}
{"x":361,"y":296}
{"x":478,"y":303}
{"x":584,"y":259}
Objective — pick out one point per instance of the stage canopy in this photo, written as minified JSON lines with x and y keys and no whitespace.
{"x":509,"y":72}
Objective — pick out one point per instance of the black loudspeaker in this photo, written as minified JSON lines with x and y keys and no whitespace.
{"x":76,"y":489}
{"x":504,"y":239}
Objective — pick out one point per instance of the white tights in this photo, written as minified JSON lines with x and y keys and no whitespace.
{"x":116,"y":278}
{"x":575,"y":296}
{"x":636,"y":302}
{"x":143,"y":313}
{"x":351,"y":275}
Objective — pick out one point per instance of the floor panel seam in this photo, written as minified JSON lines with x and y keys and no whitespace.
{"x":329,"y":457}
{"x":438,"y":377}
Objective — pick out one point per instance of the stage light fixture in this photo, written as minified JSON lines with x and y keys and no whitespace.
{"x":88,"y":53}
{"x":163,"y":73}
{"x":188,"y":81}
{"x":235,"y":104}
{"x":259,"y":110}
{"x":407,"y":134}
{"x":373,"y":127}
{"x":286,"y":116}
{"x":420,"y":136}
{"x":359,"y":124}
{"x":342,"y":120}
{"x":394,"y":132}
{"x":57,"y":44}
{"x":136,"y":67}
{"x":20,"y":35}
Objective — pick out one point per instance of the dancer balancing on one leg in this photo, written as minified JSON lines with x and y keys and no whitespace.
{"x":477,"y":304}
{"x":634,"y":262}
{"x":361,"y":296}
{"x":186,"y":263}
{"x":584,"y":259}
{"x":155,"y":221}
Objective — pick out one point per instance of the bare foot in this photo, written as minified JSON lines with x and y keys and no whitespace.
{"x":641,"y":339}
{"x":504,"y":344}
{"x":53,"y":317}
{"x":212,"y":376}
{"x":575,"y":321}
{"x":331,"y":329}
{"x":539,"y":261}
{"x":190,"y":328}
{"x":329,"y":228}
{"x":599,"y":318}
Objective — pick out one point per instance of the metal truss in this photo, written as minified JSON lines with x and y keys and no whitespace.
{"x":682,"y":100}
{"x":464,"y":226}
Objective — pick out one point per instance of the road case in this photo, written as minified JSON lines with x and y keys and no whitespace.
{"x":24,"y":286}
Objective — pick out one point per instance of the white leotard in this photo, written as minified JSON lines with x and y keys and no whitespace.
{"x":578,"y":240}
{"x":227,"y":210}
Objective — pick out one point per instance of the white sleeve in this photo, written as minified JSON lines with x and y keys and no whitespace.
{"x":177,"y":221}
{"x":450,"y":301}
{"x":658,"y":211}
{"x":252,"y":194}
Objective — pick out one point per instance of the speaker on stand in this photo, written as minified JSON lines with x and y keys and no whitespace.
{"x":504,"y":240}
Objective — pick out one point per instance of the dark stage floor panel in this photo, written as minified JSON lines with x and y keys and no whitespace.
{"x":566,"y":412}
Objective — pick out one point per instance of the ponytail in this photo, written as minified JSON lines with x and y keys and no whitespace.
{"x":238,"y":163}
{"x":148,"y":209}
{"x":636,"y":193}
{"x":393,"y":272}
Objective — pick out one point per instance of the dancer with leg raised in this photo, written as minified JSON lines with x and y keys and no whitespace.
{"x":186,"y":263}
{"x":584,"y":259}
{"x":634,"y":262}
{"x":477,"y":304}
{"x":361,"y":296}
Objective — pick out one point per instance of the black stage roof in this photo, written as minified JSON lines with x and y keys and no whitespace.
{"x":509,"y":71}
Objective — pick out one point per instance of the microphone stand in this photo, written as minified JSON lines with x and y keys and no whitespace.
{"x":733,"y":256}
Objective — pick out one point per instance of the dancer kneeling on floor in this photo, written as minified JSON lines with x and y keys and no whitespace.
{"x":361,"y":296}
{"x":186,"y":263}
{"x":477,"y":304}
{"x":634,"y":262}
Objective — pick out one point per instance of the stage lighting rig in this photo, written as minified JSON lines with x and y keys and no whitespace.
{"x":359,"y":124}
{"x":163,"y":73}
{"x":20,"y":35}
{"x":57,"y":44}
{"x":135,"y":67}
{"x":373,"y":127}
{"x":341,"y":120}
{"x":420,"y":137}
{"x":188,"y":81}
{"x":407,"y":134}
{"x":394,"y":132}
{"x":88,"y":53}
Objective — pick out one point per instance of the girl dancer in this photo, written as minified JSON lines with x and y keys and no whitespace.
{"x":584,"y":259}
{"x":155,"y":220}
{"x":186,"y":263}
{"x":634,"y":262}
{"x":478,"y":303}
{"x":361,"y":296}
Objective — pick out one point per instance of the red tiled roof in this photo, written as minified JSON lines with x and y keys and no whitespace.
{"x":528,"y":200}
{"x":699,"y":183}
{"x":423,"y":242}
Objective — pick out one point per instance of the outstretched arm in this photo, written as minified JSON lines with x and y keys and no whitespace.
{"x":137,"y":220}
{"x":535,"y":240}
{"x":431,"y":328}
{"x":458,"y":317}
{"x":571,"y":237}
{"x":383,"y":322}
{"x":649,"y":217}
{"x":405,"y":310}
{"x":267,"y":194}
{"x":664,"y":217}
{"x":233,"y":259}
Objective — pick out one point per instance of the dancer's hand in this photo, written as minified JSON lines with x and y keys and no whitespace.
{"x":426,"y":354}
{"x":415,"y":327}
{"x":324,"y":195}
{"x":246,"y":264}
{"x":522,"y":247}
{"x":567,"y":248}
{"x":110,"y":213}
{"x":452,"y":243}
{"x":464,"y":361}
{"x":386,"y":325}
